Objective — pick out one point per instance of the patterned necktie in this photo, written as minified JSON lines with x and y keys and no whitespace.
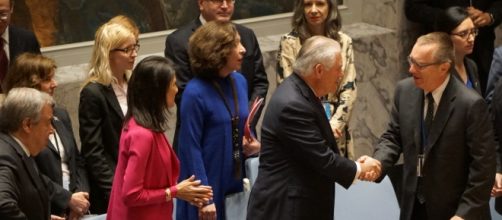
{"x":4,"y":62}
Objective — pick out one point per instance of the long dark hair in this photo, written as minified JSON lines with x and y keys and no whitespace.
{"x":332,"y":25}
{"x":146,"y":93}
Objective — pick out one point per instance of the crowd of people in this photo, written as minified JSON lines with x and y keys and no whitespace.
{"x":446,"y":120}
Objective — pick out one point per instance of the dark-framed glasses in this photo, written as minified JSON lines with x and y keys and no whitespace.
{"x":220,"y":2}
{"x":128,"y":50}
{"x":465,"y":34}
{"x":422,"y":66}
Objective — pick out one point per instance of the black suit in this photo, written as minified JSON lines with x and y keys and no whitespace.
{"x":21,"y":41}
{"x":252,"y":64}
{"x":460,"y":155}
{"x":49,"y":161}
{"x":23,"y":192}
{"x":299,"y":160}
{"x":429,"y":12}
{"x":496,"y":110}
{"x":101,"y":121}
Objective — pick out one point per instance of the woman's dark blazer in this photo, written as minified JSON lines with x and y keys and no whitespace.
{"x":101,"y":120}
{"x":472,"y":71}
{"x":49,"y":160}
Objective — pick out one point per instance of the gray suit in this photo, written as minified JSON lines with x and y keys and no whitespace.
{"x":460,"y":155}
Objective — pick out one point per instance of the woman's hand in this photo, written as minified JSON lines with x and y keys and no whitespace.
{"x":191,"y":191}
{"x":250,"y":146}
{"x":207,"y":212}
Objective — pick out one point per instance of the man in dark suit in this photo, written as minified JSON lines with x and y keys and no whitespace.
{"x":486,"y":15}
{"x":252,"y":64}
{"x":494,"y":99}
{"x":444,"y":132}
{"x":14,"y":41}
{"x":299,"y":160}
{"x":25,"y":125}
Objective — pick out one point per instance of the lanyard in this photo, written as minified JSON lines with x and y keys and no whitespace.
{"x":235,"y":125}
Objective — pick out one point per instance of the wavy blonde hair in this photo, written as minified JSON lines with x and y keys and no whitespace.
{"x":108,"y":37}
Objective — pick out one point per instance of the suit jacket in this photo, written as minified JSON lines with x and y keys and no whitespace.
{"x":21,"y":41}
{"x":459,"y":162}
{"x":23,"y":192}
{"x":49,"y":162}
{"x":496,"y":111}
{"x":252,"y":64}
{"x":299,"y":160}
{"x":147,"y":166}
{"x":101,"y":121}
{"x":472,"y":72}
{"x":495,"y":74}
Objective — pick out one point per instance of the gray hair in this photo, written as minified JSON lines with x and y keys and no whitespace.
{"x":22,"y":103}
{"x":316,"y":50}
{"x":445,"y":49}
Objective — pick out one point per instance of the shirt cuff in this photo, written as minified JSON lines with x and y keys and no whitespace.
{"x":358,"y":172}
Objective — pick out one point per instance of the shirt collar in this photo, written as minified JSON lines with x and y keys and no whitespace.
{"x":22,"y":145}
{"x":438,"y":92}
{"x":202,"y":20}
{"x":5,"y":36}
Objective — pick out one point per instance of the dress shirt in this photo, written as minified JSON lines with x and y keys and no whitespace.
{"x":5,"y":37}
{"x":121,"y":93}
{"x":58,"y":144}
{"x":436,"y":95}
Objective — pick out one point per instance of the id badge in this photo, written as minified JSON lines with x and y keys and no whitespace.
{"x":420,"y":165}
{"x":327,"y":109}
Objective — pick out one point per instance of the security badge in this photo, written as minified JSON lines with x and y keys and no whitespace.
{"x":420,"y":165}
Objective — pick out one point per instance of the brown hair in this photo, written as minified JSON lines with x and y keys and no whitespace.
{"x":210,"y":46}
{"x":332,"y":24}
{"x":29,"y":70}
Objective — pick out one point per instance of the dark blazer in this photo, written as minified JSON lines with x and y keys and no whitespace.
{"x":21,"y":41}
{"x":459,"y":163}
{"x":495,"y":74}
{"x":472,"y":72}
{"x":299,"y":160}
{"x":496,"y":110}
{"x":49,"y":161}
{"x":429,"y":12}
{"x":101,"y":121}
{"x":252,"y":64}
{"x":23,"y":192}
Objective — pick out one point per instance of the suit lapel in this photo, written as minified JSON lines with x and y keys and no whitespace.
{"x":443,"y":113}
{"x":63,"y":134}
{"x":307,"y":92}
{"x":416,"y":106}
{"x":111,"y":98}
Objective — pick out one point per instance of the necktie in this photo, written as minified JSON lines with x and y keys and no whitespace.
{"x":429,"y":114}
{"x":4,"y":62}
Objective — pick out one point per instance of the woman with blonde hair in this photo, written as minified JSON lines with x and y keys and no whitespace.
{"x":103,"y":104}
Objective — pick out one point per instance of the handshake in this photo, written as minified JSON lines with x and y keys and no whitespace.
{"x":371,"y":169}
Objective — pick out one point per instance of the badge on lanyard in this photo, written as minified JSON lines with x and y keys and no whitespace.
{"x":420,"y":165}
{"x":327,"y":108}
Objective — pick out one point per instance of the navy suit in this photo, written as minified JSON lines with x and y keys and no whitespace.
{"x":21,"y":41}
{"x":299,"y":160}
{"x":459,"y":163}
{"x":49,"y":162}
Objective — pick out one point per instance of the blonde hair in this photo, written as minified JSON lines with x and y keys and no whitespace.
{"x":126,"y":22}
{"x":108,"y":37}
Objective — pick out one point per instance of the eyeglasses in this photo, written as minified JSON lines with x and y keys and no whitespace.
{"x":220,"y":2}
{"x":128,"y":50}
{"x":465,"y":34}
{"x":422,"y":66}
{"x":4,"y":15}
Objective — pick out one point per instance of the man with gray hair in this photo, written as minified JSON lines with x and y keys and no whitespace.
{"x":25,"y":126}
{"x":299,"y":160}
{"x":445,"y":134}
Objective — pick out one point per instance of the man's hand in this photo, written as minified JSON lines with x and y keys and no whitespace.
{"x":479,"y":17}
{"x":55,"y":217}
{"x":251,"y":146}
{"x":497,"y":186}
{"x":79,"y":202}
{"x":456,"y":217}
{"x":371,"y":169}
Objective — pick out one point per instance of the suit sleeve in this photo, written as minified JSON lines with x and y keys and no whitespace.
{"x":496,"y":111}
{"x":422,"y":11}
{"x":496,"y":10}
{"x":389,"y":145}
{"x":494,"y":75}
{"x":9,"y":208}
{"x":176,"y":50}
{"x":307,"y":145}
{"x":482,"y":167}
{"x":135,"y":193}
{"x":82,"y":183}
{"x":260,"y":81}
{"x":59,"y":196}
{"x":90,"y":118}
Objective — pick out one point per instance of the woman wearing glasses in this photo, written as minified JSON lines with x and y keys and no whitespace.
{"x":462,"y":32}
{"x":321,"y":17}
{"x":103,"y":105}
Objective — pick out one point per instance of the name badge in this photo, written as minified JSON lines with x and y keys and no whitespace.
{"x":420,"y":165}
